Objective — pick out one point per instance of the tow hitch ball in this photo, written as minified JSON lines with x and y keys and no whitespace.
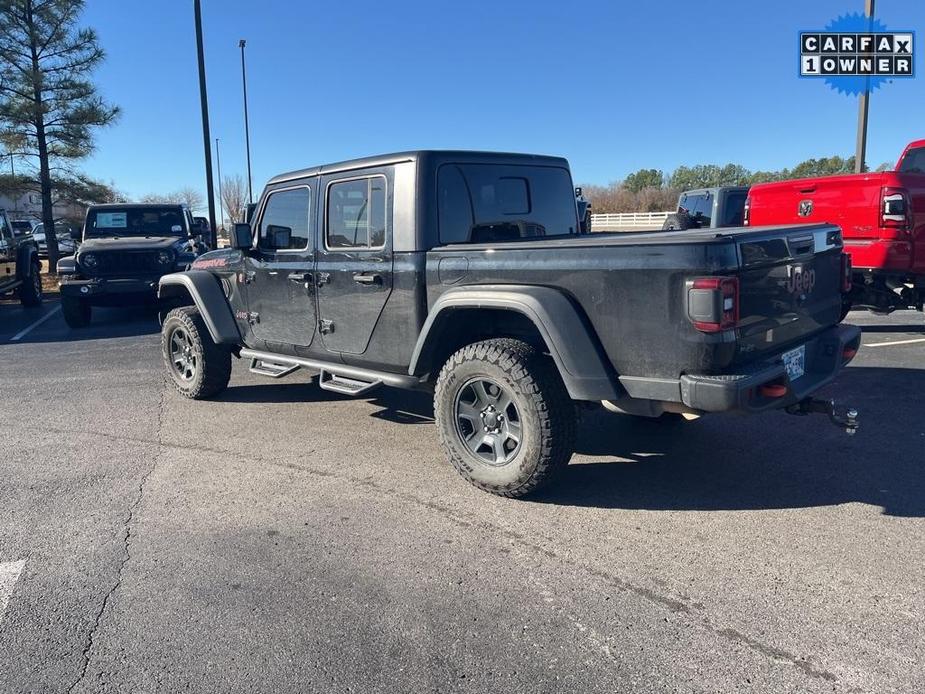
{"x":847,"y":420}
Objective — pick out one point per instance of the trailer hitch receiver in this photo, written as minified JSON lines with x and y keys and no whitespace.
{"x":846,"y":419}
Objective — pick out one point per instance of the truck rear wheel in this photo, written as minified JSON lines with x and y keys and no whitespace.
{"x":505,"y":419}
{"x":197,"y":366}
{"x":77,"y":313}
{"x":30,"y":293}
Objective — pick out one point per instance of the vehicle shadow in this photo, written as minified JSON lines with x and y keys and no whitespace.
{"x":771,"y":461}
{"x":719,"y":462}
{"x":893,"y":328}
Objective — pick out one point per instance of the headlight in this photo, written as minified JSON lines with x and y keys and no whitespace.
{"x":89,"y":261}
{"x":165,"y":257}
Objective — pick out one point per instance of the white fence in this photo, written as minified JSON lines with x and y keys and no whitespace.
{"x":628,"y":221}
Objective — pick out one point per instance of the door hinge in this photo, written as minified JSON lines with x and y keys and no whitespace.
{"x":326,"y":326}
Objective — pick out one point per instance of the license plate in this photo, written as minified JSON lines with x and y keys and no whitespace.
{"x":795,"y":362}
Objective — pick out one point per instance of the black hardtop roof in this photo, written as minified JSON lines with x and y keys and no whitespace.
{"x":433,"y":156}
{"x":137,"y":206}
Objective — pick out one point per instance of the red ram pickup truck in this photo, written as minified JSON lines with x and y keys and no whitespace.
{"x":882,"y":217}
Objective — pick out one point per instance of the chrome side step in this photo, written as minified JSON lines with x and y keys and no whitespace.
{"x":271,"y":368}
{"x":345,"y":386}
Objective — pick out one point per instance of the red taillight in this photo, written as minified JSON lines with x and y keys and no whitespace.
{"x":747,"y":212}
{"x":713,"y":303}
{"x":849,"y":353}
{"x":845,"y":273}
{"x":896,"y":210}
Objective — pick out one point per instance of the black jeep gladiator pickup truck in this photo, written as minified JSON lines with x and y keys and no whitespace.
{"x":126,"y":249}
{"x":465,"y":272}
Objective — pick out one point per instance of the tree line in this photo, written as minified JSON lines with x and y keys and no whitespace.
{"x":652,"y":190}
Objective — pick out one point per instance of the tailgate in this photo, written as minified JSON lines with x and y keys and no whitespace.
{"x":789,"y":287}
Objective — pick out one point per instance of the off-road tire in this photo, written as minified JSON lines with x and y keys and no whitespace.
{"x":77,"y":313}
{"x":30,"y":292}
{"x":213,"y":362}
{"x":547,"y":415}
{"x":677,"y":221}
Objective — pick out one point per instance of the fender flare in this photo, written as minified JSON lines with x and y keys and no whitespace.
{"x":572,"y":342}
{"x":207,"y":294}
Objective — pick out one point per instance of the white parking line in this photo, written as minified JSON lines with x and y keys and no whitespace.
{"x":9,"y":574}
{"x":898,"y":342}
{"x":25,"y":331}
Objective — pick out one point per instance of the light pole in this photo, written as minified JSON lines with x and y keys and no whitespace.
{"x":860,"y":153}
{"x":206,"y":138}
{"x":221,"y":202}
{"x":247,"y":134}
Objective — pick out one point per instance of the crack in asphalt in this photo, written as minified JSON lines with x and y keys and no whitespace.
{"x":126,"y":542}
{"x":773,"y":653}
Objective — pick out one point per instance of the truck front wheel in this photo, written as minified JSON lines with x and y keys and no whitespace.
{"x":505,"y":419}
{"x":197,"y":366}
{"x":30,"y":293}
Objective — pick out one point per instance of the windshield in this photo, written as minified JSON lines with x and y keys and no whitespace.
{"x":137,"y":221}
{"x":21,"y":227}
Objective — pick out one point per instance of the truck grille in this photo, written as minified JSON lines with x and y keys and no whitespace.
{"x":126,"y":263}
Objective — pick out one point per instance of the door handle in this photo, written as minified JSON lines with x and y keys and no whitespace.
{"x":300,"y":277}
{"x":367,"y":278}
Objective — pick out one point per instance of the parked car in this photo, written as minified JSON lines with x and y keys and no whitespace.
{"x":709,"y":208}
{"x":20,"y":268}
{"x":882,"y":216}
{"x":466,"y":273}
{"x":64,"y":234}
{"x":125,"y":250}
{"x":23,"y":226}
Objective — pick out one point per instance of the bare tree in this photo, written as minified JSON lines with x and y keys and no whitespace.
{"x":234,"y":197}
{"x":190,"y":197}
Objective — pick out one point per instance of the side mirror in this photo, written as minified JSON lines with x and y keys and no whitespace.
{"x":76,"y":234}
{"x":242,"y":237}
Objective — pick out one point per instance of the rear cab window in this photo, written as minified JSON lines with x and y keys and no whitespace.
{"x":914,"y":161}
{"x":699,"y":206}
{"x":488,"y":203}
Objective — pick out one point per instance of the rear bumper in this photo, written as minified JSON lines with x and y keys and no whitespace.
{"x":99,"y":289}
{"x":826,"y":355}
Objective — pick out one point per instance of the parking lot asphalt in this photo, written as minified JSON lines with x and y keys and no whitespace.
{"x":286,"y":539}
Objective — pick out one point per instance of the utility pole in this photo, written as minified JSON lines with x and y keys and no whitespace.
{"x":221,"y":203}
{"x":860,"y":153}
{"x":247,"y":133}
{"x":206,"y":137}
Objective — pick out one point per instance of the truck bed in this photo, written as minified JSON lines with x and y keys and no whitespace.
{"x":633,"y":288}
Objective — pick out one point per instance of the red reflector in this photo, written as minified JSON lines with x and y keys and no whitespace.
{"x":846,"y":273}
{"x":849,"y":353}
{"x":773,"y":390}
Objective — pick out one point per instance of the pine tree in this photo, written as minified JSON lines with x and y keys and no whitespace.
{"x":48,"y":105}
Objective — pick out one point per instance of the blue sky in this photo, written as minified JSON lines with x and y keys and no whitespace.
{"x":610,"y":84}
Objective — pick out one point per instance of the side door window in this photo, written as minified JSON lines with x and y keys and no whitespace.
{"x":355,"y":263}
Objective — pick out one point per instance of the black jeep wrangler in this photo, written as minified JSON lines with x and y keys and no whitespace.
{"x":466,"y":273}
{"x":20,"y":267}
{"x":126,"y":249}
